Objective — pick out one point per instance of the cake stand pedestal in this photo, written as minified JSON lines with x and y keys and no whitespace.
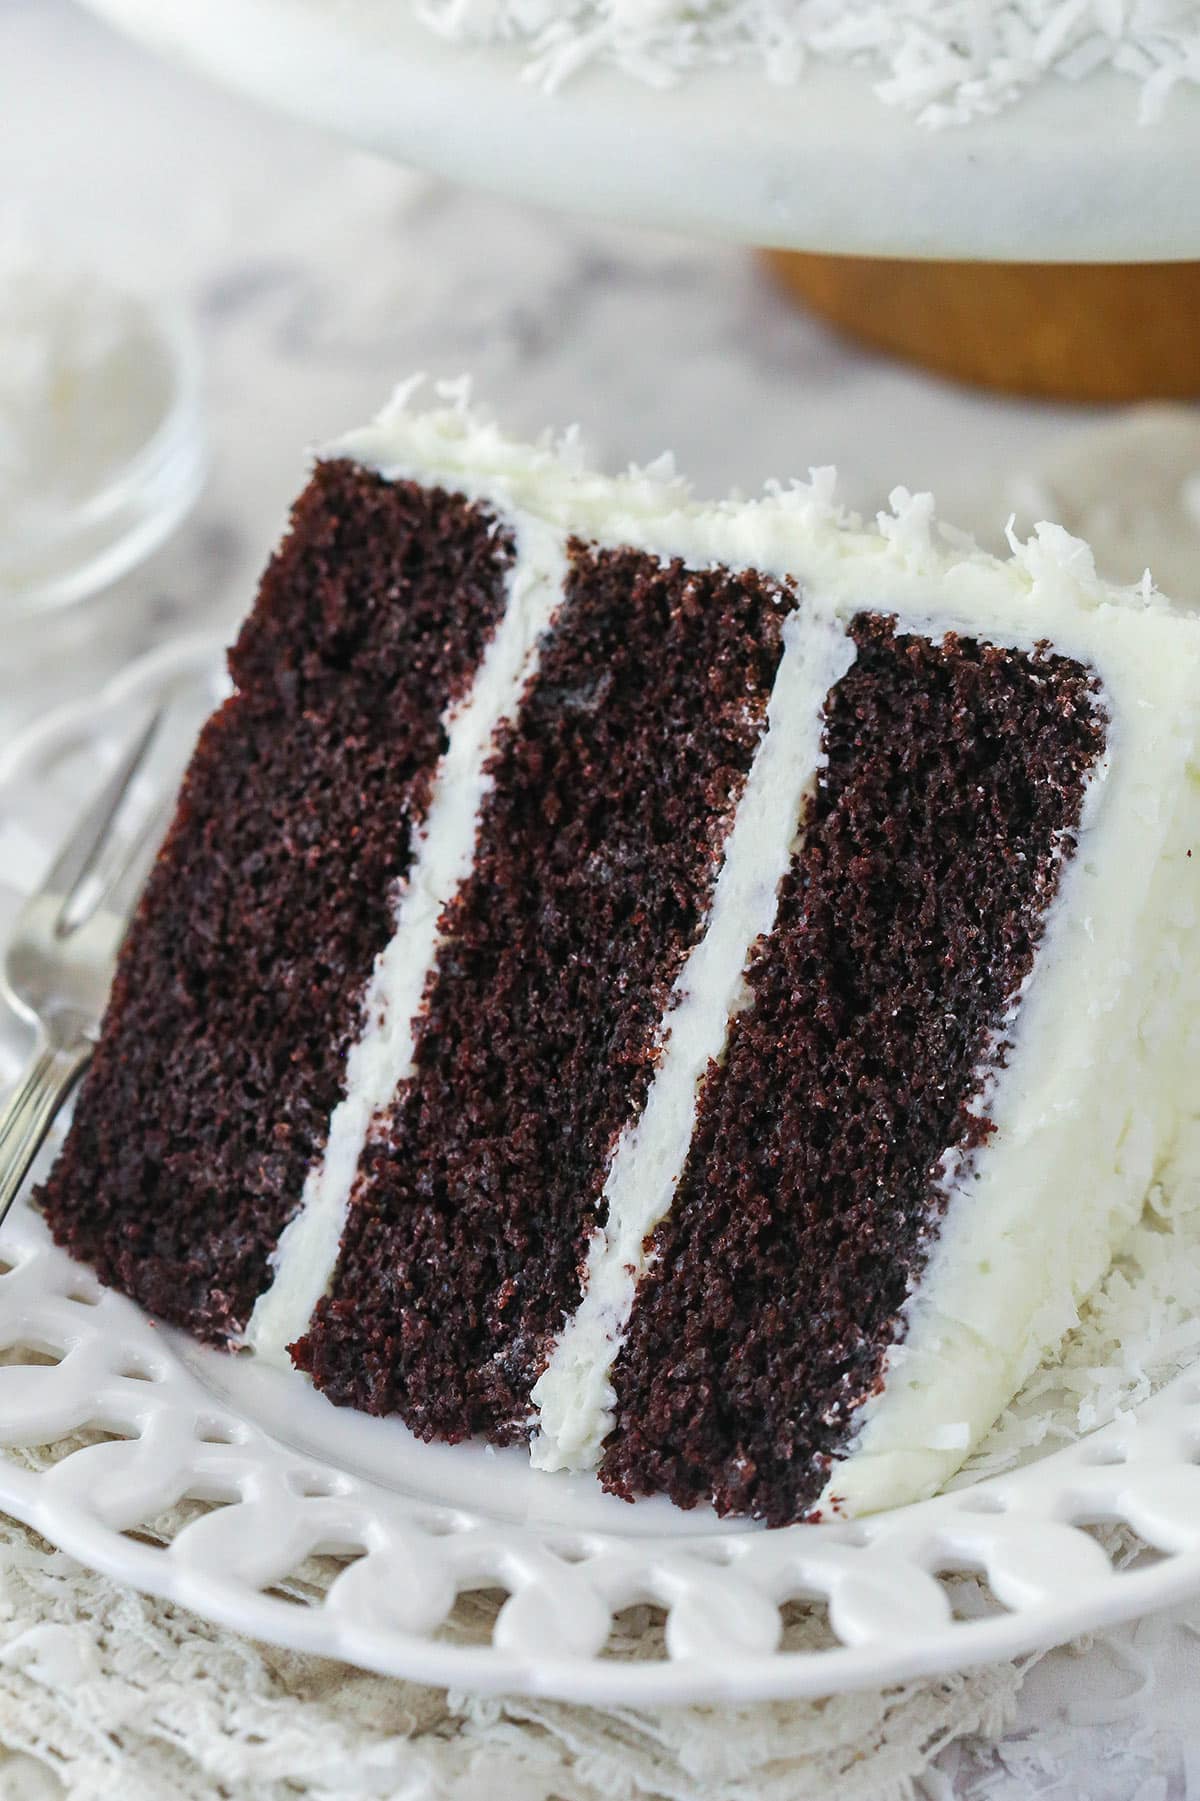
{"x":1105,"y":332}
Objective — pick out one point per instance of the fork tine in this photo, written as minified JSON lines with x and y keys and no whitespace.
{"x":78,"y":854}
{"x":127,"y":881}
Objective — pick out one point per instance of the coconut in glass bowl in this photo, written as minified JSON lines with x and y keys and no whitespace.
{"x":101,"y":442}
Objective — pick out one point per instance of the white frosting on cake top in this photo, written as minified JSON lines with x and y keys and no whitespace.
{"x":947,"y":61}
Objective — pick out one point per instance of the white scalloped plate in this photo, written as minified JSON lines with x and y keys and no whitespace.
{"x":1065,"y":175}
{"x":278,"y":1476}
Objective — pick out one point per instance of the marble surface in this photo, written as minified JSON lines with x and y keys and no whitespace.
{"x":317,"y":277}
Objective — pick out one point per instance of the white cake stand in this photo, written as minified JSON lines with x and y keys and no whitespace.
{"x":1065,"y":175}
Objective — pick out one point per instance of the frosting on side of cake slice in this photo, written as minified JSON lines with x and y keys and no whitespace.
{"x":1095,"y":1087}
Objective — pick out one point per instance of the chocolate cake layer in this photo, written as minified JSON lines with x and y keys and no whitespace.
{"x":238,"y":990}
{"x":811,"y":1198}
{"x":597,"y":851}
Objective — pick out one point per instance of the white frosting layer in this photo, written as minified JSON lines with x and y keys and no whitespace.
{"x":1094,"y":1085}
{"x":382,"y":1057}
{"x":574,"y":1396}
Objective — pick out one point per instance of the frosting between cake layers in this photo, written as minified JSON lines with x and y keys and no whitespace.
{"x":382,"y":1057}
{"x":574,"y":1397}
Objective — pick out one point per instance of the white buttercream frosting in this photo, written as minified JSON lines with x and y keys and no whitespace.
{"x":1093,"y":1086}
{"x":574,"y":1397}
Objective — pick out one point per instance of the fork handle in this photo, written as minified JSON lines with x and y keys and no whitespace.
{"x":30,"y":1112}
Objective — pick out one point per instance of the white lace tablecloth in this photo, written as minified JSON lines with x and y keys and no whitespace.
{"x":316,"y":278}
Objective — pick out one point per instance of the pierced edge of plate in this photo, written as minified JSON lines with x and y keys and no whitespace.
{"x":75,"y":1358}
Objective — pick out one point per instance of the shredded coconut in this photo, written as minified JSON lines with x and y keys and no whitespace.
{"x":945,"y":61}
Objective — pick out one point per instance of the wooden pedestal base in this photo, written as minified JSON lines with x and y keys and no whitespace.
{"x":1069,"y":331}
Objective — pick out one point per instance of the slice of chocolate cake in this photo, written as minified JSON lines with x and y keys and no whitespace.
{"x":701,"y":990}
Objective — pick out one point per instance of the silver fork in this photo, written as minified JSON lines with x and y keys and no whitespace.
{"x":59,"y":964}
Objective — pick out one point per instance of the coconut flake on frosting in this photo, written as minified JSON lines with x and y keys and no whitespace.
{"x":945,"y":61}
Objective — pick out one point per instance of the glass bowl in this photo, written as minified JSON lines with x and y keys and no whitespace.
{"x":85,"y":506}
